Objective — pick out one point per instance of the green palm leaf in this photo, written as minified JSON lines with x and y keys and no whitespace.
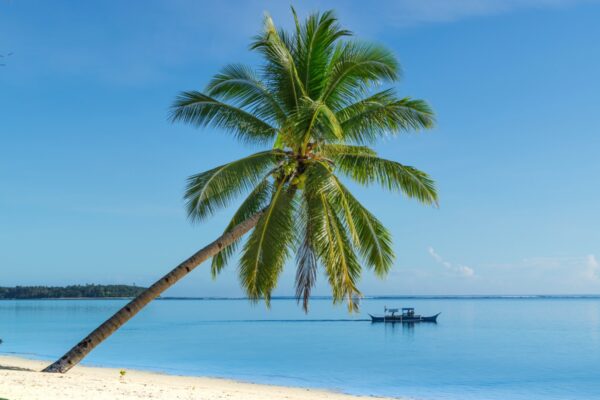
{"x":373,"y":240}
{"x":314,"y":120}
{"x":242,"y":86}
{"x":367,"y":169}
{"x":355,"y":68}
{"x":268,"y":246}
{"x":315,"y":40}
{"x":331,"y":241}
{"x":202,"y":110}
{"x":368,"y":234}
{"x":208,"y":191}
{"x":338,"y":256}
{"x":333,"y":150}
{"x":280,"y":70}
{"x":256,"y":201}
{"x":306,"y":255}
{"x":378,"y":116}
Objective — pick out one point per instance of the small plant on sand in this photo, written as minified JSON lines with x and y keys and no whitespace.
{"x":122,"y":373}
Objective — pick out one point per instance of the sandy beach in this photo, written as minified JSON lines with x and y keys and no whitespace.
{"x":20,"y":379}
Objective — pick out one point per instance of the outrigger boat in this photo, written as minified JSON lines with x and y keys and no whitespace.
{"x":407,"y":315}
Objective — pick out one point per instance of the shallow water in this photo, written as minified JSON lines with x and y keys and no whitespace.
{"x":481,"y":348}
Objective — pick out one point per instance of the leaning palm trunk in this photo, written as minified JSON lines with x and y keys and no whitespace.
{"x":84,"y":347}
{"x":315,"y":98}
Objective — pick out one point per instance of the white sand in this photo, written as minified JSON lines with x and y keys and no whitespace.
{"x":20,"y":380}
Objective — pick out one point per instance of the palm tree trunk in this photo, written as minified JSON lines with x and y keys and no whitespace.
{"x":83,"y":348}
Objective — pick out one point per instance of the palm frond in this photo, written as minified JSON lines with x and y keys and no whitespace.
{"x":356,"y":67}
{"x":383,"y":114}
{"x":372,"y":238}
{"x":255,"y":202}
{"x":334,"y":247}
{"x":314,"y":120}
{"x":199,"y":109}
{"x":306,"y":256}
{"x":340,"y":261}
{"x":391,"y":175}
{"x":331,"y":150}
{"x":213,"y":189}
{"x":368,"y":234}
{"x":268,"y":246}
{"x":315,"y":40}
{"x":240,"y":85}
{"x":280,"y":70}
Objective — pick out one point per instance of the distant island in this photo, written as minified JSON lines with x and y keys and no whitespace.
{"x":69,"y":292}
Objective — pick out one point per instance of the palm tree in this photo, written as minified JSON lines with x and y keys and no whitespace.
{"x":317,"y":102}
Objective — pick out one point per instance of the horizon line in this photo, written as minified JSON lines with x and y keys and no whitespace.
{"x":382,"y":297}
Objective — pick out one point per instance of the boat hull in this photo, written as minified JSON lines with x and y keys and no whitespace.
{"x":399,"y":319}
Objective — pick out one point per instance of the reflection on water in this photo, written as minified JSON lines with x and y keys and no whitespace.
{"x":405,"y":328}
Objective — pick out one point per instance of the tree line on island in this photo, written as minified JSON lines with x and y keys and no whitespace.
{"x":72,"y":291}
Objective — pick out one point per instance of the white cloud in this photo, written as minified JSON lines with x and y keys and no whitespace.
{"x":458,"y":269}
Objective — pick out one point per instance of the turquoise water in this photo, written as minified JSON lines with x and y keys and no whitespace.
{"x":518,"y":348}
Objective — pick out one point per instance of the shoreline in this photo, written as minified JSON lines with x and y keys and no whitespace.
{"x":20,"y":379}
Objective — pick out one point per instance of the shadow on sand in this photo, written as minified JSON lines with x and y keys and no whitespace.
{"x":10,"y":368}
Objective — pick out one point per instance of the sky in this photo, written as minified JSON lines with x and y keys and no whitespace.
{"x":92,"y":173}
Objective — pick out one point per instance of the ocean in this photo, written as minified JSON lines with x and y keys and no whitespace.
{"x":483,"y":348}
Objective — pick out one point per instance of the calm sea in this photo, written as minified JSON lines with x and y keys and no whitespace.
{"x":481,"y":348}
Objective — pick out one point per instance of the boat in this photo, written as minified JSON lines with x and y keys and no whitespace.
{"x":404,"y":315}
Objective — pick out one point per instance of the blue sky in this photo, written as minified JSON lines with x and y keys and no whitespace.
{"x":92,"y":173}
